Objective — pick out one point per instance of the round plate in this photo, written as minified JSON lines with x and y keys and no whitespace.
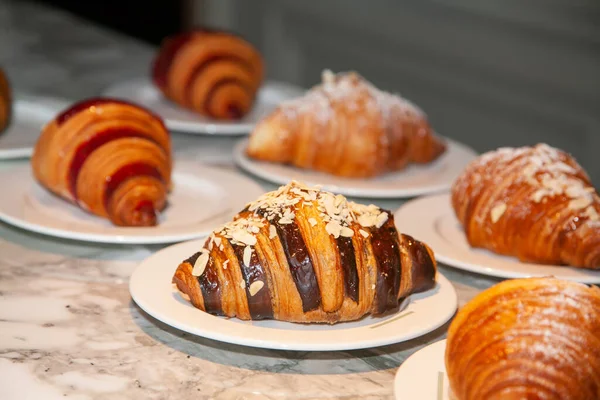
{"x":151,"y":288}
{"x":142,"y":91}
{"x":423,"y":375}
{"x":432,"y":220}
{"x":202,"y":198}
{"x":29,"y":115}
{"x":415,"y":180}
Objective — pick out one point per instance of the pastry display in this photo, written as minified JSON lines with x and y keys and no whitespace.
{"x":300,"y":254}
{"x":535,"y":203}
{"x":5,"y":101}
{"x":536,"y":338}
{"x":346,"y":127}
{"x":110,"y":157}
{"x":214,"y":73}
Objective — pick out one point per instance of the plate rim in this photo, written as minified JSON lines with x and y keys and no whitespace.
{"x":137,"y":278}
{"x":109,"y":238}
{"x":429,"y":347}
{"x":253,"y":167}
{"x":213,"y":128}
{"x":442,"y":209}
{"x":53,"y":104}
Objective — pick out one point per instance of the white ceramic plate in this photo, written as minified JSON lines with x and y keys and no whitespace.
{"x":415,"y":180}
{"x":423,"y":375}
{"x":202,"y":198}
{"x":29,"y":115}
{"x":142,"y":91}
{"x":432,"y":220}
{"x":151,"y":288}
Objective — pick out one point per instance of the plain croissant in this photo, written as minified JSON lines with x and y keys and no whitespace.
{"x":536,"y":338}
{"x":304,"y":255}
{"x":534,"y":203}
{"x":110,"y":157}
{"x":5,"y":101}
{"x":211,"y":72}
{"x":346,"y":127}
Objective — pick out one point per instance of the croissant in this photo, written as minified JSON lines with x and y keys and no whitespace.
{"x":214,"y":73}
{"x":110,"y":157}
{"x":299,"y":254}
{"x":346,"y":127}
{"x":534,"y":203}
{"x":535,"y":338}
{"x":5,"y":101}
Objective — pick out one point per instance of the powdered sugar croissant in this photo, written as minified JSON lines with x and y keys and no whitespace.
{"x":535,"y":338}
{"x":304,"y":255}
{"x":534,"y":203}
{"x":346,"y":127}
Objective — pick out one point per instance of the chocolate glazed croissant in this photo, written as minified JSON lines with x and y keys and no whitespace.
{"x":303,"y":255}
{"x":536,"y":338}
{"x":5,"y":101}
{"x":214,"y":73}
{"x":346,"y":127}
{"x":535,"y":203}
{"x":110,"y":157}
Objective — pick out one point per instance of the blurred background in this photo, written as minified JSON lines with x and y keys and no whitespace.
{"x":488,"y":73}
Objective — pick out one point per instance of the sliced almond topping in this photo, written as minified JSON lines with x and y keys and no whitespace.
{"x":247,"y":255}
{"x":333,"y":228}
{"x":243,"y":284}
{"x":225,"y":264}
{"x":364,"y":233}
{"x":346,"y":232}
{"x":312,"y":221}
{"x":339,"y":199}
{"x":373,"y":286}
{"x":539,"y":194}
{"x":381,"y":219}
{"x":366,"y":220}
{"x":244,"y":237}
{"x":497,"y":212}
{"x":580,"y":202}
{"x":592,"y":214}
{"x":218,"y":241}
{"x":255,"y":287}
{"x":200,"y":264}
{"x":272,"y":232}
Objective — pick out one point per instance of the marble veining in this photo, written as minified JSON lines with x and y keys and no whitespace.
{"x":68,"y":327}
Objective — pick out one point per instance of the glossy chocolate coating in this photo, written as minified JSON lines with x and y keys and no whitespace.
{"x":209,"y":284}
{"x":387,"y":253}
{"x":348,"y":262}
{"x":260,"y":304}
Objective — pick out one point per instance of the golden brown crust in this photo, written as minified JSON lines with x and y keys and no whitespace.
{"x":346,"y":127}
{"x":535,"y":338}
{"x":299,"y":267}
{"x":5,"y":101}
{"x":110,"y":158}
{"x":534,"y":203}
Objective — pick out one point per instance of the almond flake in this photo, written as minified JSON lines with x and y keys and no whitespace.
{"x":373,"y":286}
{"x":244,"y":237}
{"x":579,"y":203}
{"x":243,"y":284}
{"x":312,"y":221}
{"x":366,"y":220}
{"x":255,"y":287}
{"x":247,"y":255}
{"x":346,"y":232}
{"x":364,"y":233}
{"x":225,"y":264}
{"x":200,"y":264}
{"x":272,"y":232}
{"x":333,"y":228}
{"x":497,"y":212}
{"x":381,"y":219}
{"x":592,"y":214}
{"x":218,"y":241}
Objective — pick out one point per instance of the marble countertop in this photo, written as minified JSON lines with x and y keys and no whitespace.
{"x":68,"y":326}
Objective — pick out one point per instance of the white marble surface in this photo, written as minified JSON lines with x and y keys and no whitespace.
{"x":68,"y":327}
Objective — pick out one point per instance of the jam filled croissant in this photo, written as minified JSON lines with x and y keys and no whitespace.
{"x":303,"y":255}
{"x":110,"y":157}
{"x":5,"y":101}
{"x":214,"y":73}
{"x":533,"y":338}
{"x":346,"y":127}
{"x":534,"y":203}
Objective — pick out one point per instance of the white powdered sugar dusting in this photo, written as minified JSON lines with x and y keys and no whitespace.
{"x":352,"y":92}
